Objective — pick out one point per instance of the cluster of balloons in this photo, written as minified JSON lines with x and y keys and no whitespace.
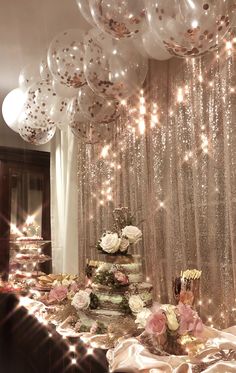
{"x":82,"y":78}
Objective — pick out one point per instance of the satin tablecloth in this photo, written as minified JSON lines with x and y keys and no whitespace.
{"x":219,"y":356}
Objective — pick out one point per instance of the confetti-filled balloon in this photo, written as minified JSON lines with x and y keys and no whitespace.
{"x":154,"y":47}
{"x":119,"y":18}
{"x":113,"y":68}
{"x":29,"y":75}
{"x":66,"y":58}
{"x":85,"y":10}
{"x":40,"y":98}
{"x":44,"y":69}
{"x":88,"y":132}
{"x":36,"y":135}
{"x":64,"y":91}
{"x":59,"y":112}
{"x":96,"y":108}
{"x":189,"y":27}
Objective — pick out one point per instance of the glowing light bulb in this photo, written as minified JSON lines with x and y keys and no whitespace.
{"x":200,"y":78}
{"x":228,"y":45}
{"x":105,"y":151}
{"x":141,"y":126}
{"x":72,"y":348}
{"x":180,"y":95}
{"x":142,"y":110}
{"x":73,"y":361}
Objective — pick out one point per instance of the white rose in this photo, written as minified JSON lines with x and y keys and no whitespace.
{"x":172,"y":321}
{"x":142,"y":317}
{"x":81,"y":300}
{"x":110,"y":243}
{"x":124,"y":244}
{"x":136,"y":304}
{"x":132,"y":233}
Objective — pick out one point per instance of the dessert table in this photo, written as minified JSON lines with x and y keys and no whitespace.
{"x":28,"y":346}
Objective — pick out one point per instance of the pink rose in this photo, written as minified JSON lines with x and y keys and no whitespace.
{"x":121,"y":278}
{"x":156,"y":323}
{"x":189,"y":320}
{"x":197,"y":327}
{"x":59,"y":293}
{"x":74,"y":287}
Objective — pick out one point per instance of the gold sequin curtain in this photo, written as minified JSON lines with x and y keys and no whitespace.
{"x":178,"y":177}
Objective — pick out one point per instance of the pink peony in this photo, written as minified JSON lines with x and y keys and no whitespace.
{"x":59,"y":293}
{"x":121,"y":278}
{"x":189,"y":320}
{"x":156,"y":323}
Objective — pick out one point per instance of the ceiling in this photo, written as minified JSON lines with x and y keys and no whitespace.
{"x":26,"y":29}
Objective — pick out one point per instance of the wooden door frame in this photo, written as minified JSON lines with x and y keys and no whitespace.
{"x":24,"y":159}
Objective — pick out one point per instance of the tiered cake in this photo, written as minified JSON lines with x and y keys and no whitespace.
{"x":115,"y":281}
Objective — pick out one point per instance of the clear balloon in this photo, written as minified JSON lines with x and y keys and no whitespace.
{"x":29,"y":75}
{"x":119,"y":18}
{"x":66,"y":58}
{"x":35,"y":122}
{"x":12,"y":107}
{"x":64,"y":91}
{"x":44,"y":69}
{"x":88,"y":132}
{"x":189,"y":27}
{"x":59,"y":113}
{"x":113,"y":68}
{"x":85,"y":10}
{"x":36,"y":135}
{"x":154,"y":47}
{"x":96,"y":108}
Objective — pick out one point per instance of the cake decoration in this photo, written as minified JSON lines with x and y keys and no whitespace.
{"x":123,"y":235}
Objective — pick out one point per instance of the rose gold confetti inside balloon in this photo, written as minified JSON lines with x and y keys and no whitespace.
{"x":35,"y":122}
{"x":96,"y":108}
{"x":36,"y":134}
{"x":119,"y":18}
{"x":87,"y":131}
{"x":190,"y":27}
{"x":66,"y":58}
{"x":113,"y":68}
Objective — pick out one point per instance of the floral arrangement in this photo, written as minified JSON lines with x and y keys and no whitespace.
{"x":124,"y":234}
{"x":114,"y":277}
{"x":170,"y":329}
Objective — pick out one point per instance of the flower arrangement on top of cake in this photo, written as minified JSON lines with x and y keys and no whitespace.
{"x":123,"y":235}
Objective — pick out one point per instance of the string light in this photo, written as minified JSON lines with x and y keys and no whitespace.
{"x":180,"y":95}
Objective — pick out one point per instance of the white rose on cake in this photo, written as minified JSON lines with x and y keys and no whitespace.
{"x":142,"y":317}
{"x":110,"y":243}
{"x":124,"y":244}
{"x":81,"y":300}
{"x":136,"y":304}
{"x":132,"y":233}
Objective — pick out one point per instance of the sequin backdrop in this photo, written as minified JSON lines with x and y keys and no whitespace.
{"x":178,"y":176}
